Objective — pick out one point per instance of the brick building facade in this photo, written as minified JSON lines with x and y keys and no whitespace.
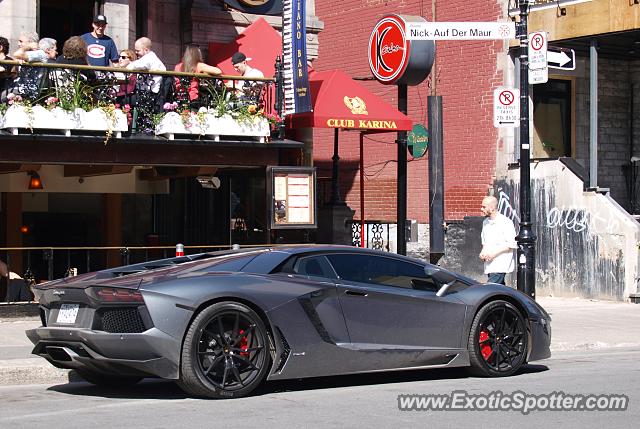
{"x":466,"y":73}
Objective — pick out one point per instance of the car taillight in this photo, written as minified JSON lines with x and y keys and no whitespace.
{"x":109,"y":294}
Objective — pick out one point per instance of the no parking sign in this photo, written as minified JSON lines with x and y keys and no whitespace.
{"x":506,"y":107}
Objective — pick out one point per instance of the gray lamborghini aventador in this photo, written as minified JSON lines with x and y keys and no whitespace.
{"x":221,"y":323}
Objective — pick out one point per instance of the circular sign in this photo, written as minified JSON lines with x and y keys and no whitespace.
{"x":537,"y":41}
{"x":393,"y":58}
{"x":418,"y":141}
{"x":388,"y":49}
{"x":506,"y":98}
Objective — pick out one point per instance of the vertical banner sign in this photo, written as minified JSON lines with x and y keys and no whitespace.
{"x":301,"y":89}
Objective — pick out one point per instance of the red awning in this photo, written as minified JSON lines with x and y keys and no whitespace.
{"x":340,"y":102}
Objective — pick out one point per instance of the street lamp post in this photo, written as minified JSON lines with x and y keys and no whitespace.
{"x":526,"y":238}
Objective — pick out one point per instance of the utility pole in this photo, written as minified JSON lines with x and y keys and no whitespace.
{"x":526,"y":238}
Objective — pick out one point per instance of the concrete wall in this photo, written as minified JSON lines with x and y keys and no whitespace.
{"x":117,"y":12}
{"x":16,"y":17}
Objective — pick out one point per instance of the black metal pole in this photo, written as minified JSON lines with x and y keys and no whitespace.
{"x":402,"y":175}
{"x":336,"y":199}
{"x":526,"y":238}
{"x":279,"y":66}
{"x":436,"y":179}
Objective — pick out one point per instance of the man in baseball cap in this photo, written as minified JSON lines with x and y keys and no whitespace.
{"x":100,"y":20}
{"x":239,"y":62}
{"x":100,"y":47}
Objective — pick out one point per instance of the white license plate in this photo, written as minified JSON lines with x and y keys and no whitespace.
{"x":68,"y":313}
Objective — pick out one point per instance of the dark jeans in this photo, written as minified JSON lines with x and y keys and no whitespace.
{"x":496,"y":278}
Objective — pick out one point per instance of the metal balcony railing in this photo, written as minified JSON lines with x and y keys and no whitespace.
{"x":132,"y":102}
{"x":48,"y":263}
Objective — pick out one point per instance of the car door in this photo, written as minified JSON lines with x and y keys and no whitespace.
{"x":389,"y":301}
{"x":321,"y":305}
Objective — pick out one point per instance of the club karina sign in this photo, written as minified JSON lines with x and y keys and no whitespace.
{"x":393,"y":58}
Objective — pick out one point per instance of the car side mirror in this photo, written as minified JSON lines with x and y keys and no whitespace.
{"x":440,"y":275}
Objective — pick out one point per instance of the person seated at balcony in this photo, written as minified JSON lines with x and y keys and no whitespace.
{"x":7,"y":72}
{"x":74,"y":51}
{"x":147,"y":60}
{"x":32,"y":80}
{"x":126,"y":88}
{"x":192,"y":62}
{"x":34,"y":51}
{"x":100,"y":47}
{"x":246,"y":89}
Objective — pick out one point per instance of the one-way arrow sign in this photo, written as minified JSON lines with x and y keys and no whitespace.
{"x":561,"y":58}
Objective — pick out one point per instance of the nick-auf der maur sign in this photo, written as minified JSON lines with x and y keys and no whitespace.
{"x":460,"y":30}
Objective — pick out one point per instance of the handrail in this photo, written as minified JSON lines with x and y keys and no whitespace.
{"x":192,"y":246}
{"x":132,"y":71}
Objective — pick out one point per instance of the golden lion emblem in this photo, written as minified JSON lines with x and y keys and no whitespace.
{"x":356,"y":105}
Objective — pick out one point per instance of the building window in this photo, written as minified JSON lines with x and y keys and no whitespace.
{"x":552,"y":119}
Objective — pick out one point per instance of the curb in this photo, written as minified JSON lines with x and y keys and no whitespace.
{"x":32,"y":371}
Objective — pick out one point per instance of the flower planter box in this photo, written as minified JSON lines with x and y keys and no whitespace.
{"x":212,"y":126}
{"x":37,"y":117}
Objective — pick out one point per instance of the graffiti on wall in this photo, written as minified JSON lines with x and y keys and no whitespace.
{"x":578,"y":219}
{"x":574,"y":255}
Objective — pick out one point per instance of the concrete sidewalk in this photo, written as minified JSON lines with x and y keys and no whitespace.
{"x":577,"y":324}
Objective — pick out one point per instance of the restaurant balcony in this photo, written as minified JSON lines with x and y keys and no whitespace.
{"x":74,"y":114}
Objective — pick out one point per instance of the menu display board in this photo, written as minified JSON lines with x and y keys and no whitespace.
{"x":293,"y":196}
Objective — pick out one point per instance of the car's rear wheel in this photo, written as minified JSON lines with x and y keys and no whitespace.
{"x":225,"y":352}
{"x":498,"y":340}
{"x":107,"y":380}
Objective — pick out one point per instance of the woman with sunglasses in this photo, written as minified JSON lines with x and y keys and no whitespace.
{"x":128,"y":85}
{"x":192,"y":62}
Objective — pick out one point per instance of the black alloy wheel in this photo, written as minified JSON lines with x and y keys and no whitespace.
{"x":226,"y":352}
{"x":498,"y":340}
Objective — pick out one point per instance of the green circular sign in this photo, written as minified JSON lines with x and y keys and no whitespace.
{"x":418,"y":140}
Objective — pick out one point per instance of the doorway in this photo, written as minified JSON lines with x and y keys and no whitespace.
{"x":61,"y":19}
{"x":552,"y":119}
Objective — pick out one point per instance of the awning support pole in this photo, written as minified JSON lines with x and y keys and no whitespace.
{"x":335,"y":186}
{"x":362,"y":223}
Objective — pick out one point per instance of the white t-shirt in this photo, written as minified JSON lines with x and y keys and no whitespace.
{"x":498,"y":233}
{"x":149,"y":62}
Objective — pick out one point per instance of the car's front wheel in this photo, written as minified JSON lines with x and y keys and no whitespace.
{"x":225,"y":353}
{"x":498,"y":340}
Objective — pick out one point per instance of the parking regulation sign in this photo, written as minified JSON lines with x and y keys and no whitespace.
{"x":506,"y":107}
{"x":537,"y":50}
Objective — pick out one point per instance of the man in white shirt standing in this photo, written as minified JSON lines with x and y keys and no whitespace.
{"x":498,"y":242}
{"x":147,"y":60}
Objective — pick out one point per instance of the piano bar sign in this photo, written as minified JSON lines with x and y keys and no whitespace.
{"x":300,"y":73}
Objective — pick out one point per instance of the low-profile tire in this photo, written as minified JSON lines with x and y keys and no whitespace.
{"x":226,"y":352}
{"x":107,"y":380}
{"x":498,"y":340}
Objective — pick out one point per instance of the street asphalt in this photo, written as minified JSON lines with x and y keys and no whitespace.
{"x":577,"y":324}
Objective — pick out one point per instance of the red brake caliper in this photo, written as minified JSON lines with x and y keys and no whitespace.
{"x":485,"y":349}
{"x":243,"y":345}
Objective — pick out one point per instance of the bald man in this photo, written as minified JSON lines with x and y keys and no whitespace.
{"x":147,"y":60}
{"x":498,"y":242}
